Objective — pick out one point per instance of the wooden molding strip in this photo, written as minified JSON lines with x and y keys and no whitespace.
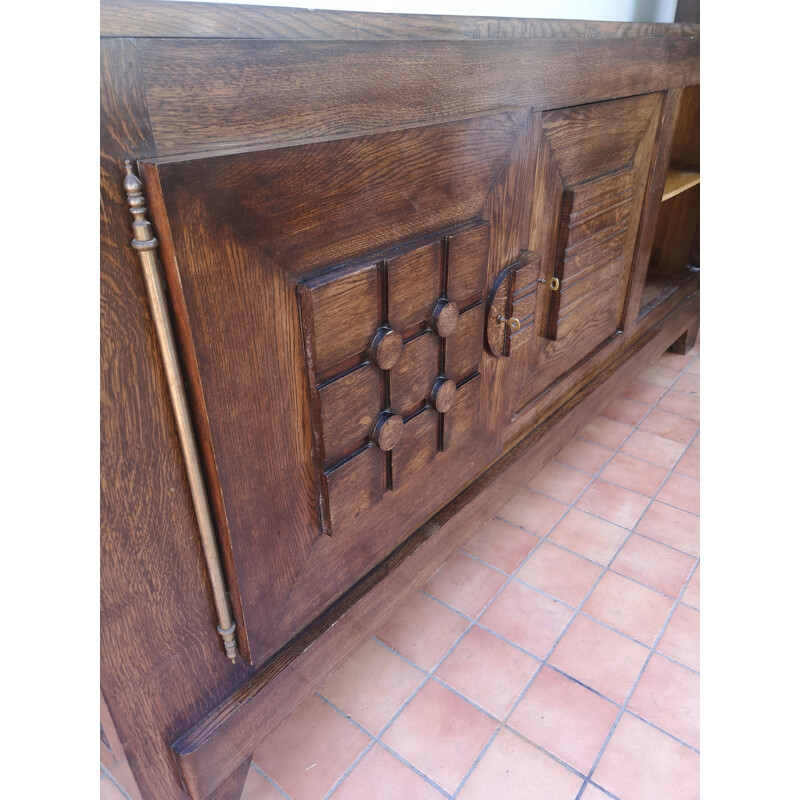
{"x":222,"y":20}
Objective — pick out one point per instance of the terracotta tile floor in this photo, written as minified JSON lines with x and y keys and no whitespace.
{"x":554,"y":657}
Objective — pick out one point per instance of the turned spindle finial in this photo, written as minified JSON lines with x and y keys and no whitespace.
{"x":143,"y":238}
{"x":133,"y":188}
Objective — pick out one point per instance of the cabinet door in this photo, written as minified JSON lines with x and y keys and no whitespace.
{"x":591,"y":174}
{"x":330,"y":304}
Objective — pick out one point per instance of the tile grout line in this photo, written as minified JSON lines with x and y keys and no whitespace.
{"x":110,"y":776}
{"x":271,"y":781}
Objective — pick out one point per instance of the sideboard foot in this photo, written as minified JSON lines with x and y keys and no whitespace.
{"x":233,"y":786}
{"x":686,"y":342}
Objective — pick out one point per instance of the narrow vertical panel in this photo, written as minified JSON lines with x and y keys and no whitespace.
{"x":417,"y":448}
{"x":461,"y":421}
{"x":462,"y":354}
{"x":467,"y":257}
{"x":355,"y":486}
{"x":414,"y":285}
{"x":346,"y":313}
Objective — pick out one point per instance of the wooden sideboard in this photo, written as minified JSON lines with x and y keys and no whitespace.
{"x":361,"y":275}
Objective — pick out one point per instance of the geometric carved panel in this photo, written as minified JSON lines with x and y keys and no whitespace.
{"x":392,"y":348}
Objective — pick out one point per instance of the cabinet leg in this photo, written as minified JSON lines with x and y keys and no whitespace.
{"x":687,"y":341}
{"x":233,"y":786}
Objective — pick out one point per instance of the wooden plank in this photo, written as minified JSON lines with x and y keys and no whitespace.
{"x":218,"y":743}
{"x":170,"y":19}
{"x":211,"y":94}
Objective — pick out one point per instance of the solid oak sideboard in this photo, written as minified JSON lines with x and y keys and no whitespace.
{"x":362,"y":275}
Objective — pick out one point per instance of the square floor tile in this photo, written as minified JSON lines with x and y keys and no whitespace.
{"x":655,"y":449}
{"x":371,"y":685}
{"x":681,"y":640}
{"x":658,"y":375}
{"x":673,"y":526}
{"x":642,"y":392}
{"x":560,"y":482}
{"x":512,"y":769}
{"x":382,"y":776}
{"x":603,"y":659}
{"x":634,"y":474}
{"x":629,"y":607}
{"x":689,"y":463}
{"x":488,"y":671}
{"x":565,"y":718}
{"x":681,"y":491}
{"x":256,"y":787}
{"x":527,"y":618}
{"x":692,"y":594}
{"x":441,"y":734}
{"x":613,"y":503}
{"x":642,"y":763}
{"x":680,"y":403}
{"x":465,"y":584}
{"x":629,"y":412}
{"x":310,"y":750}
{"x":561,"y":573}
{"x":532,"y":511}
{"x":660,"y":567}
{"x":670,"y":426}
{"x":502,"y":545}
{"x":589,"y":536}
{"x":668,"y":695}
{"x":694,"y":367}
{"x":688,"y":383}
{"x":587,"y":456}
{"x":606,"y":431}
{"x":422,"y":630}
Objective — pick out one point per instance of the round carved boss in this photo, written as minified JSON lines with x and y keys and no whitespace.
{"x":388,"y":430}
{"x":444,"y":318}
{"x":386,"y":348}
{"x":443,"y":394}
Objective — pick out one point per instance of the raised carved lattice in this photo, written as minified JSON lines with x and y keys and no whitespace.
{"x":393,"y":348}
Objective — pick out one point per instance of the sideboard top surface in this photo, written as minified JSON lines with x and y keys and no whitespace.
{"x":164,"y":18}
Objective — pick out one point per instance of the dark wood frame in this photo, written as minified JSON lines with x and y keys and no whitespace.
{"x":185,"y":719}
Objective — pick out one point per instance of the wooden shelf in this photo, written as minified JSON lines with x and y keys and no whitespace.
{"x":679,"y":180}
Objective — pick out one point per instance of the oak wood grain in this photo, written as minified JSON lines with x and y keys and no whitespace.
{"x":143,"y":18}
{"x":318,"y":90}
{"x":277,"y":145}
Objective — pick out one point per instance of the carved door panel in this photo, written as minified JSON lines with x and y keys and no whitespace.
{"x":591,"y":175}
{"x":329,"y":301}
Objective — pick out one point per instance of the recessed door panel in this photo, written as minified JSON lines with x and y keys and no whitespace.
{"x":591,"y":174}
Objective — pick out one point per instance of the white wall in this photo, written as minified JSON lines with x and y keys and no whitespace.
{"x":620,"y":10}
